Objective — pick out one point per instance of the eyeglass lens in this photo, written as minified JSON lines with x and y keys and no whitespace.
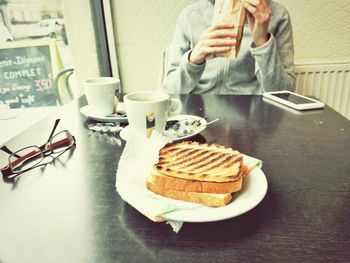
{"x":29,"y":157}
{"x":61,"y":142}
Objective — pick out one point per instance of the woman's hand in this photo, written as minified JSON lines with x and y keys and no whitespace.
{"x":259,"y":14}
{"x":219,"y":38}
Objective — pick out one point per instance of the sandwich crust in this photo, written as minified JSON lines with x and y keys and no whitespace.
{"x":179,"y":184}
{"x":208,"y":199}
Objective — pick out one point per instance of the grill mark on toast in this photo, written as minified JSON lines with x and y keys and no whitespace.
{"x":185,"y":163}
{"x":164,"y":153}
{"x":209,"y":162}
{"x":220,"y":167}
{"x":214,"y":163}
{"x":192,"y":160}
{"x":173,"y":151}
{"x":204,"y":160}
{"x":171,"y":148}
{"x":223,"y":164}
{"x":179,"y":157}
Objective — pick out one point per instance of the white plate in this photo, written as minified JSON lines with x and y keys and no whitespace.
{"x":87,"y":112}
{"x":252,"y":193}
{"x":124,"y":132}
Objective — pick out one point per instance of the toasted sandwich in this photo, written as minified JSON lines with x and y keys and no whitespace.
{"x":199,"y":173}
{"x":233,"y":12}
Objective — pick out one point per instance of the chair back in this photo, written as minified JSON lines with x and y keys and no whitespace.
{"x":162,"y":71}
{"x":62,"y":86}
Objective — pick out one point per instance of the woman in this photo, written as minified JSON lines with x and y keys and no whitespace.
{"x":265,"y":61}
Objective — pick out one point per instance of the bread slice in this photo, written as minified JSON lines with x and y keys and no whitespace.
{"x":208,"y":199}
{"x":172,"y":183}
{"x":199,"y":162}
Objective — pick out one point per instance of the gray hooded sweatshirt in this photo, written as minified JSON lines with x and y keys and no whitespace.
{"x":256,"y":69}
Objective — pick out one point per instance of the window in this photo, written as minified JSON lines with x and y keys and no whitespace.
{"x":24,"y":24}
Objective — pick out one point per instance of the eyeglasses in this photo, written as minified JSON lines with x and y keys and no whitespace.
{"x":32,"y":156}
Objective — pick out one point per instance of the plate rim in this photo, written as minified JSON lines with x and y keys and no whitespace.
{"x":212,"y":212}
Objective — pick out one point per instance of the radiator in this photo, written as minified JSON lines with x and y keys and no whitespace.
{"x":328,"y":82}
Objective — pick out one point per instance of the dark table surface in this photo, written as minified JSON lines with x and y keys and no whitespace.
{"x":70,"y":211}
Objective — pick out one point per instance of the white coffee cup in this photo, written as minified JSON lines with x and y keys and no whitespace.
{"x":100,"y":94}
{"x":148,"y":111}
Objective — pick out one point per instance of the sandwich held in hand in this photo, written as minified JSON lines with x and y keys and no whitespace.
{"x":199,"y":173}
{"x":230,"y":11}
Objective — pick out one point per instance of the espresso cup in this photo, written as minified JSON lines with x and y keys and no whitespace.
{"x":148,"y":111}
{"x":100,"y":94}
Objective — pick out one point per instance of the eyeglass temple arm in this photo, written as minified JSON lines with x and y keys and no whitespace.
{"x":7,"y":150}
{"x":53,"y":129}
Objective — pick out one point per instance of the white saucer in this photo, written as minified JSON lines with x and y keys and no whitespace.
{"x":124,"y":133}
{"x":87,"y":112}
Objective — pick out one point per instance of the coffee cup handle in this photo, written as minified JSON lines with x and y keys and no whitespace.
{"x":175,"y":107}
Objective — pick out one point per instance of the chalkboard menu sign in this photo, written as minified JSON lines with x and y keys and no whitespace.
{"x":27,"y":71}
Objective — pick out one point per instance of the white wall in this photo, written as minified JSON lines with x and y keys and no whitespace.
{"x":82,"y":42}
{"x":321,"y":29}
{"x":144,"y":28}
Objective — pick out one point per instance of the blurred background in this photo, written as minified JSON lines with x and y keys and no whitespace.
{"x":126,"y":39}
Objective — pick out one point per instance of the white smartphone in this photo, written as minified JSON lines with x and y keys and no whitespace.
{"x":294,"y":100}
